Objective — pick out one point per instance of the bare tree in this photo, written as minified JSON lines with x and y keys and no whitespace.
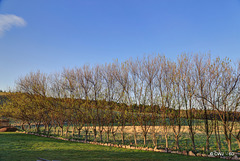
{"x":203,"y":81}
{"x":188,"y":86}
{"x":121,"y":74}
{"x":147,"y":92}
{"x":165,"y":96}
{"x":34,"y":86}
{"x":174,"y":101}
{"x":109,"y":94}
{"x":136,"y":90}
{"x":151,"y":67}
{"x":96,"y":81}
{"x":83,"y":78}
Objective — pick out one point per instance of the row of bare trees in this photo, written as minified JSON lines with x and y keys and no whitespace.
{"x":196,"y":91}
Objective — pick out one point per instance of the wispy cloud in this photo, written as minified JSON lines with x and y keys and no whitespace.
{"x":7,"y":21}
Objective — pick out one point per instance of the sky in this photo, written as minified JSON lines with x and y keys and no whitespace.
{"x":48,"y":35}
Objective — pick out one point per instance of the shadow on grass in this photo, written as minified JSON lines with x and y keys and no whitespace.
{"x":22,"y":147}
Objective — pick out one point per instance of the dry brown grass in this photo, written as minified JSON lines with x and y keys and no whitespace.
{"x":159,"y":129}
{"x":3,"y":93}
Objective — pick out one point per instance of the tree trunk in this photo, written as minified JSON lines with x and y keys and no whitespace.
{"x":229,"y":142}
{"x":38,"y":128}
{"x":73,"y":131}
{"x":79,"y":132}
{"x":192,"y":135}
{"x":95,"y":134}
{"x":100,"y":135}
{"x":114,"y":138}
{"x":238,"y":141}
{"x":216,"y":132}
{"x":193,"y":142}
{"x":86,"y":136}
{"x":108,"y":135}
{"x":67,"y":131}
{"x":154,"y":136}
{"x":219,"y":139}
{"x":207,"y":144}
{"x":55,"y":129}
{"x":227,"y":137}
{"x":45,"y":129}
{"x":206,"y":127}
{"x":154,"y":139}
{"x":48,"y":131}
{"x":29,"y":126}
{"x":62,"y":131}
{"x":123,"y":141}
{"x":166,"y":138}
{"x":135,"y":135}
{"x":122,"y":133}
{"x":23,"y":127}
{"x":177,"y":142}
{"x":144,"y":138}
{"x":89,"y":136}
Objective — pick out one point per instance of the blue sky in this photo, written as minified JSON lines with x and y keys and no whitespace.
{"x":51,"y":34}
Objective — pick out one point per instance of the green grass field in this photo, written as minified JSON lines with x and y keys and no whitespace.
{"x":185,"y":142}
{"x":22,"y":147}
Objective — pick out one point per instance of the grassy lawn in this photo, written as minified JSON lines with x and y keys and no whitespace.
{"x":184,"y":141}
{"x":22,"y":147}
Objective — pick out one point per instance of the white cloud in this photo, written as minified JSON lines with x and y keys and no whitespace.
{"x":7,"y":21}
